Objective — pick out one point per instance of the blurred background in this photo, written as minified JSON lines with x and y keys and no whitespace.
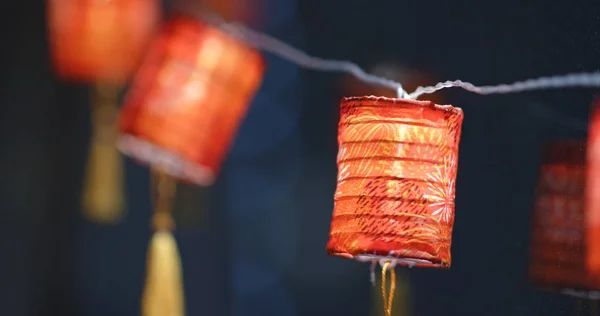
{"x":255,"y":242}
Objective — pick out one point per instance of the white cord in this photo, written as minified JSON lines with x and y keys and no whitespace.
{"x":281,"y":49}
{"x":557,"y":81}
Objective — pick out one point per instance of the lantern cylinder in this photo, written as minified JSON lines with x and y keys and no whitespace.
{"x":558,"y":246}
{"x":188,"y":100}
{"x":397,"y":165}
{"x":100,"y":40}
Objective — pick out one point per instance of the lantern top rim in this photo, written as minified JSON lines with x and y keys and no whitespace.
{"x":385,"y":101}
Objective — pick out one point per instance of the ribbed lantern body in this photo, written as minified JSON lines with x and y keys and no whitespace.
{"x":397,"y":166}
{"x":188,"y":100}
{"x":100,"y":40}
{"x":558,"y":248}
{"x":592,"y":216}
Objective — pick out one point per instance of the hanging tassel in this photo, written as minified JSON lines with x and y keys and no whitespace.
{"x":163,"y":294}
{"x":388,"y":300}
{"x":401,"y":295}
{"x":103,"y":199}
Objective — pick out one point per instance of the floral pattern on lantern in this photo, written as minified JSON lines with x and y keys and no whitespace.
{"x":188,"y":100}
{"x":100,"y":40}
{"x":397,"y":166}
{"x":558,"y":248}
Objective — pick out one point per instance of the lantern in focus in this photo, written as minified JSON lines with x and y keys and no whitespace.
{"x":188,"y":99}
{"x":558,"y":247}
{"x":592,"y":215}
{"x":397,"y":165}
{"x":101,"y":42}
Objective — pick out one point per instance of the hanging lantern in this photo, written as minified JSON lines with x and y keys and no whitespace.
{"x":163,"y":291}
{"x":558,"y":247}
{"x":100,"y":40}
{"x":190,"y":96}
{"x":394,"y":202}
{"x":592,"y":215}
{"x":397,"y":165}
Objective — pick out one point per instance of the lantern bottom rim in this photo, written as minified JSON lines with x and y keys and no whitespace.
{"x":395,"y":261}
{"x":169,"y":162}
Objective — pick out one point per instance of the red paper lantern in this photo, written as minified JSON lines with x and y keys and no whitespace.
{"x":188,"y":99}
{"x":100,"y":40}
{"x":592,"y":215}
{"x":558,"y":246}
{"x":397,"y":165}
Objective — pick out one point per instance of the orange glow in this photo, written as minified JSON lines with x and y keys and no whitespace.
{"x":592,"y":216}
{"x":558,"y":248}
{"x":188,"y":100}
{"x":100,"y":40}
{"x":397,"y":165}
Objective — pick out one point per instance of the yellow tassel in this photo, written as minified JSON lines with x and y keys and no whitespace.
{"x":399,"y":294}
{"x":163,"y":294}
{"x":388,"y":300}
{"x":103,"y":199}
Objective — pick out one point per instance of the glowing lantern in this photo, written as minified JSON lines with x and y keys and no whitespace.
{"x":188,"y":99}
{"x":397,"y":165}
{"x":558,"y":248}
{"x":592,"y":215}
{"x":100,"y":40}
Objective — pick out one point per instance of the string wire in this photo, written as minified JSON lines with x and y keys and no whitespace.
{"x":294,"y":55}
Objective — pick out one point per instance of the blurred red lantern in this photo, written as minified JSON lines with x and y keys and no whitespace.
{"x":188,"y":99}
{"x":592,"y":215}
{"x":100,"y":40}
{"x":558,"y":246}
{"x":397,"y":165}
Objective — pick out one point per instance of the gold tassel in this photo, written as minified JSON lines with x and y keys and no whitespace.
{"x":163,"y":294}
{"x":103,"y":199}
{"x":400,"y":296}
{"x":388,"y":300}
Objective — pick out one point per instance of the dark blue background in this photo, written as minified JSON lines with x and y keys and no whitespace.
{"x":261,"y":250}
